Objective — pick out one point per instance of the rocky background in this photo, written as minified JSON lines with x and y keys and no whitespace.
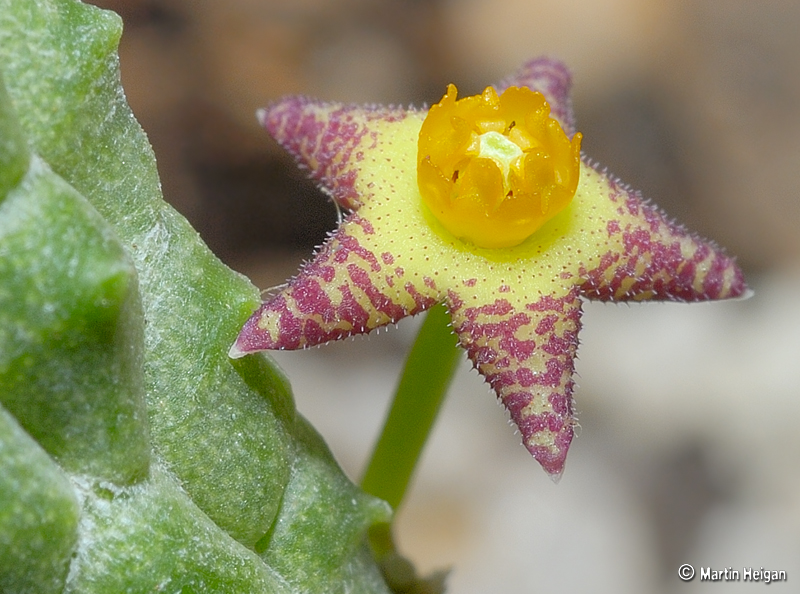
{"x":689,"y":446}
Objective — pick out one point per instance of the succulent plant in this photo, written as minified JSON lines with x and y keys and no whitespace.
{"x":135,"y":456}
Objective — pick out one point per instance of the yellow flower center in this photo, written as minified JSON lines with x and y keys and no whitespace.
{"x":494,"y":169}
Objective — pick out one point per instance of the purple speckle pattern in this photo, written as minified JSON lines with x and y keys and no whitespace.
{"x":326,"y":138}
{"x":528,"y":359}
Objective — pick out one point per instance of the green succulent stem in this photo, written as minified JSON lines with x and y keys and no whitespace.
{"x":426,"y":376}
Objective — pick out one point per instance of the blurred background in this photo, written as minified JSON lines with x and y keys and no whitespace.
{"x":689,"y":449}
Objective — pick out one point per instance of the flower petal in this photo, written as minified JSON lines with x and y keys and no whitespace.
{"x":349,"y":288}
{"x":647,"y":256}
{"x":527,"y":356}
{"x":330,"y":139}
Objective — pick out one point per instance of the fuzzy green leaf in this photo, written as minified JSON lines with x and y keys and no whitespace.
{"x":13,"y":149}
{"x":71,"y":331}
{"x":155,"y":461}
{"x":38,"y":515}
{"x":301,"y":531}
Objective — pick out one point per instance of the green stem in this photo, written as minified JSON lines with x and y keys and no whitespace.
{"x":427,"y":374}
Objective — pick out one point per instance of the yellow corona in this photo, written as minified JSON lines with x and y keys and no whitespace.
{"x":494,"y":169}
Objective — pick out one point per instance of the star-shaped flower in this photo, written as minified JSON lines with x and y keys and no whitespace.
{"x":514,"y":296}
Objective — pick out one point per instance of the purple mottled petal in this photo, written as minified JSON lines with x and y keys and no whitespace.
{"x":329,"y":139}
{"x":347,"y":289}
{"x":658,"y":259}
{"x":528,"y":358}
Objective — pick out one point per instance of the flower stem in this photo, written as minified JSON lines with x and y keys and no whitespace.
{"x":426,"y":376}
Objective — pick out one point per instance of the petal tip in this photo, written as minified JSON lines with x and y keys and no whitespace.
{"x":552,"y":462}
{"x":551,"y":454}
{"x":555,"y":476}
{"x":252,"y":338}
{"x":236,"y":351}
